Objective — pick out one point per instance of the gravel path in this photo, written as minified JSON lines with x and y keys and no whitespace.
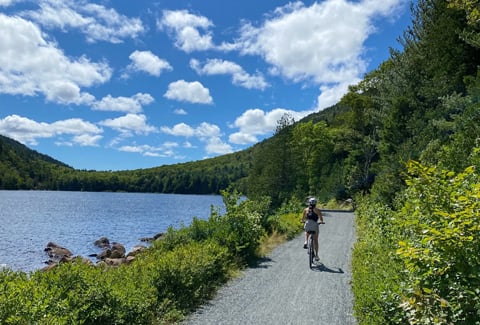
{"x":283,"y":290}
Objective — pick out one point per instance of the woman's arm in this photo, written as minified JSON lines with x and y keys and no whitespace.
{"x":320,"y":215}
{"x":304,"y":215}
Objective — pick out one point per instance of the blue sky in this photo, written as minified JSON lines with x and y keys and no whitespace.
{"x":121,"y":85}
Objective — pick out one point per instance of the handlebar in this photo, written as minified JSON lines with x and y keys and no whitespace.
{"x":320,"y":222}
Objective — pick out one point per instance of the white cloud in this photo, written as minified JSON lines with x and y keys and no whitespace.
{"x":148,"y":62}
{"x":222,"y":67}
{"x":85,"y":140}
{"x":203,"y":131}
{"x":186,"y":29}
{"x":27,"y":131}
{"x":180,"y":111}
{"x":31,"y":65}
{"x":255,"y":122}
{"x":180,"y":129}
{"x":137,"y":149}
{"x":193,"y":92}
{"x":330,"y":95}
{"x":74,"y":126}
{"x":322,"y":44}
{"x":151,"y":151}
{"x":130,"y":124}
{"x":217,"y":147}
{"x":207,"y":130}
{"x":124,"y":104}
{"x":208,"y":133}
{"x":187,"y":144}
{"x":97,"y":22}
{"x":242,"y":138}
{"x":6,"y":3}
{"x":170,"y":144}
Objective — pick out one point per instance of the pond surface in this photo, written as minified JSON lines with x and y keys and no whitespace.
{"x":31,"y":219}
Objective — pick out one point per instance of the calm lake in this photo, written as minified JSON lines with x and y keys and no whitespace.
{"x":31,"y":219}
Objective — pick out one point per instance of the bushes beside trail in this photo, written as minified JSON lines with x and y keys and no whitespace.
{"x":160,"y":286}
{"x":418,"y":263}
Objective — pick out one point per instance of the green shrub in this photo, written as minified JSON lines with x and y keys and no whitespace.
{"x":239,"y":230}
{"x":16,"y":291}
{"x":419,"y":264}
{"x":440,"y":220}
{"x":189,"y":274}
{"x":75,"y":293}
{"x":288,"y":224}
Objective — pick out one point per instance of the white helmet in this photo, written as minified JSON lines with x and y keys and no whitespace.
{"x":312,"y":201}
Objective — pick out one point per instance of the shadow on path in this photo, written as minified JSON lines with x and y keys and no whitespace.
{"x":320,"y":267}
{"x":262,"y":263}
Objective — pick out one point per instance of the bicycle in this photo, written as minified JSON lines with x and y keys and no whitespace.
{"x":311,"y":246}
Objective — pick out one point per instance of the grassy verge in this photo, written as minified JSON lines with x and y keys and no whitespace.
{"x":376,"y":270}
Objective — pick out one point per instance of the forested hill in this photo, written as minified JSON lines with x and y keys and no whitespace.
{"x":12,"y":151}
{"x":23,"y":168}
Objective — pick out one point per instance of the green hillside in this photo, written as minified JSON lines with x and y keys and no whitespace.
{"x":23,"y":168}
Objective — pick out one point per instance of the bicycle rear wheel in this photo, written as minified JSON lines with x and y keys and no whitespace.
{"x":310,"y":251}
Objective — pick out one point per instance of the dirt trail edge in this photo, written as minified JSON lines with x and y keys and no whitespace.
{"x":282,"y":289}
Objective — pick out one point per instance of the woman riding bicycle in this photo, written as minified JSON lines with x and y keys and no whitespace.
{"x":311,"y":215}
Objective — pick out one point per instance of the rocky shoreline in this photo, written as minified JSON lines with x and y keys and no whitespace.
{"x":112,"y":253}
